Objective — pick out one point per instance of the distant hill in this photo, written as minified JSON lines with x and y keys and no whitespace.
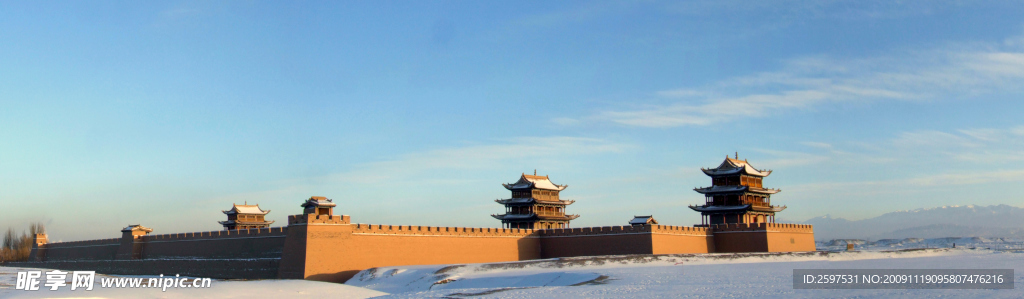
{"x":941,"y":222}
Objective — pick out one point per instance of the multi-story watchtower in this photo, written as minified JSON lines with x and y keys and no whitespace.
{"x":535,"y":204}
{"x":736,"y":195}
{"x":245,"y":217}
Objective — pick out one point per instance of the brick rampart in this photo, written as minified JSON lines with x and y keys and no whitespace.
{"x":681,"y":239}
{"x":252,"y":253}
{"x":231,"y":244}
{"x":606,"y":240}
{"x":212,"y":268}
{"x":102,"y":249}
{"x":412,"y":230}
{"x":763,"y":237}
{"x":330,"y":248}
{"x":337,"y":252}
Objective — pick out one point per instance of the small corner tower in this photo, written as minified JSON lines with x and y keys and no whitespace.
{"x":643,"y":221}
{"x":319,"y":210}
{"x":736,"y":195}
{"x":133,"y":231}
{"x":131,"y":245}
{"x":534,"y":204}
{"x":318,"y":205}
{"x":245,"y":217}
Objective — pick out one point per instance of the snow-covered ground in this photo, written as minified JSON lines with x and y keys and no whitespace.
{"x":913,"y":243}
{"x":642,"y":276}
{"x":290,"y":288}
{"x":695,"y":276}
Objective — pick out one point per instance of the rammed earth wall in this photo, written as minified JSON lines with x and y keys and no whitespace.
{"x":213,"y":268}
{"x":224,"y":244}
{"x":329,"y":248}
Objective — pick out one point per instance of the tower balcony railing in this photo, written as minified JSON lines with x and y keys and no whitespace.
{"x":737,"y":203}
{"x":541,"y":213}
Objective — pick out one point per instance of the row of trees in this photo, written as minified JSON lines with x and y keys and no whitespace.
{"x":17,"y":247}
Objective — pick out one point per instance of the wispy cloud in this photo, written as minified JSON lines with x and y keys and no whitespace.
{"x":811,"y":82}
{"x":785,"y":10}
{"x":916,"y":183}
{"x":411,"y":179}
{"x":909,"y":170}
{"x":524,"y":150}
{"x":925,"y":159}
{"x":986,"y":147}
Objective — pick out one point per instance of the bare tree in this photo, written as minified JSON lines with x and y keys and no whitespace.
{"x":18,"y":247}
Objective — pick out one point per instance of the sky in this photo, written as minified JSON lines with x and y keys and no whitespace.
{"x":415,"y":112}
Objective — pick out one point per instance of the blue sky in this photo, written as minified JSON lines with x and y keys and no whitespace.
{"x":166,"y":113}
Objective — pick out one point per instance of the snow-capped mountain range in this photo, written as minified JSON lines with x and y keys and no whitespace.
{"x":941,"y":222}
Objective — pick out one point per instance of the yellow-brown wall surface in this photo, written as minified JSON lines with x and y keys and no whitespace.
{"x":763,"y":237}
{"x":329,"y":248}
{"x":676,"y":240}
{"x":791,"y":241}
{"x":585,"y":245}
{"x":337,"y":252}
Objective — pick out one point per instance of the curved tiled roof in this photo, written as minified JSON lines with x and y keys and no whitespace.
{"x":246,"y":209}
{"x":527,"y":181}
{"x":735,"y":166}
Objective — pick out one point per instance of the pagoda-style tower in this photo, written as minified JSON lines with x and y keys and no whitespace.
{"x":736,"y":195}
{"x":318,"y":205}
{"x":245,"y":217}
{"x":534,"y":204}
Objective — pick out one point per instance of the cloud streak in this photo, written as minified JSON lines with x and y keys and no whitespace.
{"x":934,"y":159}
{"x":812,"y":82}
{"x":480,"y":157}
{"x":919,"y":183}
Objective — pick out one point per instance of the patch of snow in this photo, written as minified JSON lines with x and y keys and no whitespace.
{"x":760,"y":275}
{"x":692,"y":275}
{"x":272,"y":288}
{"x":994,"y":243}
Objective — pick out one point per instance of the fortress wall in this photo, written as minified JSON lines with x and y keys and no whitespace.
{"x":740,"y":241}
{"x":328,"y":248}
{"x":230,"y":244}
{"x":318,"y":219}
{"x":102,"y":249}
{"x":381,"y":229}
{"x":790,"y":237}
{"x":681,"y":239}
{"x":763,"y":237}
{"x":337,"y":252}
{"x":607,"y":240}
{"x":252,"y":254}
{"x":213,"y":268}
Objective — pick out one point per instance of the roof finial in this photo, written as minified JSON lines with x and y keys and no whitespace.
{"x":534,"y":171}
{"x":737,"y":155}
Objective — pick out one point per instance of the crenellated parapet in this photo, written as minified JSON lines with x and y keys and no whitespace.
{"x":380,"y":229}
{"x":252,"y":232}
{"x":769,"y":227}
{"x":680,"y":230}
{"x":599,"y":230}
{"x":303,"y":219}
{"x":72,"y":244}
